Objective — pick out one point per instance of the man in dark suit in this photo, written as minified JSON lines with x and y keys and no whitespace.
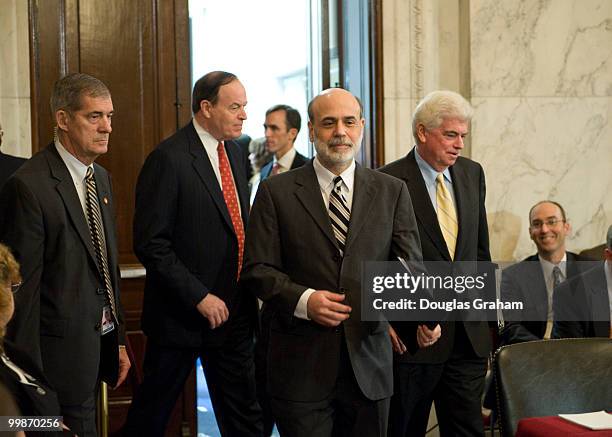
{"x":583,"y":304}
{"x":59,"y":221}
{"x":329,"y":372}
{"x":8,"y":163}
{"x":191,"y":212}
{"x":448,"y":196}
{"x":533,"y":280}
{"x":282,"y":126}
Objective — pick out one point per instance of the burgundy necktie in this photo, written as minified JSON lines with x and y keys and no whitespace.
{"x":275,"y":169}
{"x":231,"y":200}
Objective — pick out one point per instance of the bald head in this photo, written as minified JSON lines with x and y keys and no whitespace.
{"x":335,"y":127}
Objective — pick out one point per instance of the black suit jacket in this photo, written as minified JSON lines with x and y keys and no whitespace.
{"x":582,"y":305}
{"x":58,"y":308}
{"x":35,"y":398}
{"x":291,"y":247}
{"x":8,"y":165}
{"x":298,"y":161}
{"x":472,"y":241}
{"x":524,"y":282}
{"x":184,"y":237}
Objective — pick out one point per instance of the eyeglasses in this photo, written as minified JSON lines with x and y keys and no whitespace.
{"x":15,"y":287}
{"x":550,"y":223}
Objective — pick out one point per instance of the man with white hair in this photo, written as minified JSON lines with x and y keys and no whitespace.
{"x":448,"y":196}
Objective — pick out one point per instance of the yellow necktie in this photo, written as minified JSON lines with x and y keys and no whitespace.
{"x":447,"y":218}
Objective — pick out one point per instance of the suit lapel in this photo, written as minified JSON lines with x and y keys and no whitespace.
{"x":204,"y":169}
{"x":364,"y":192}
{"x":464,"y":208}
{"x":423,"y":208}
{"x":309,"y":195}
{"x":535,"y":277}
{"x":67,"y":191}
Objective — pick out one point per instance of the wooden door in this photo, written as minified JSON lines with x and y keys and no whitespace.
{"x":140,"y":50}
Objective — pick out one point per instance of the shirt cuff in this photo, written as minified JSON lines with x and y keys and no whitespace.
{"x":301,"y":309}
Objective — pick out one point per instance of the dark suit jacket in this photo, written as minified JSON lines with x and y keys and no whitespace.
{"x":472,"y":241}
{"x":291,"y":247}
{"x":34,"y":399}
{"x":582,"y":305}
{"x":8,"y":165}
{"x":58,"y":308}
{"x":524,"y":282}
{"x":298,"y":161}
{"x":184,"y":237}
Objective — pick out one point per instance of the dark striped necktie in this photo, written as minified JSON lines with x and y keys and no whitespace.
{"x":94,"y":218}
{"x":339,"y":214}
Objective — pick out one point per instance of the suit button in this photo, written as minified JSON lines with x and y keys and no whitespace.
{"x":343,"y":290}
{"x":99,"y":290}
{"x":97,"y":327}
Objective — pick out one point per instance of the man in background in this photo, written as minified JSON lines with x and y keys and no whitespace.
{"x":448,"y":197}
{"x":8,"y":163}
{"x":533,"y":280}
{"x":192,"y":205}
{"x":58,"y":218}
{"x":282,"y":126}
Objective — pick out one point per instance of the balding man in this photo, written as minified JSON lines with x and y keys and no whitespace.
{"x":329,"y":371}
{"x":533,"y":280}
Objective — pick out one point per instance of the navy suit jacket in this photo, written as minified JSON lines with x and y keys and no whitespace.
{"x":582,"y":305}
{"x":472,"y":241}
{"x":184,"y":237}
{"x":298,"y":161}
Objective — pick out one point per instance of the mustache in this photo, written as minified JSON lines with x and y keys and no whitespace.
{"x":340,"y":141}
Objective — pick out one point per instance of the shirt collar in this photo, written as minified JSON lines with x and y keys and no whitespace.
{"x":286,"y":160}
{"x":209,"y":142}
{"x":429,"y":173}
{"x":547,"y":266}
{"x":326,"y":177}
{"x":76,"y":168}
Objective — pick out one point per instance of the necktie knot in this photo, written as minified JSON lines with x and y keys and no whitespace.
{"x":557,"y":276}
{"x":89,"y":173}
{"x":220,"y":148}
{"x":338,"y":184}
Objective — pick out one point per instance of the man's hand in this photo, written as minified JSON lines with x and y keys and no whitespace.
{"x":324,"y":308}
{"x":214,"y":309}
{"x":397,"y":343}
{"x":124,"y":366}
{"x":426,"y":337}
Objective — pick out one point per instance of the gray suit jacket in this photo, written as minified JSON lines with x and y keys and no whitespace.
{"x":291,"y":247}
{"x":524,"y":282}
{"x":58,"y":308}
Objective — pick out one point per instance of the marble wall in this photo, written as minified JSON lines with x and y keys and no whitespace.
{"x":540,"y":79}
{"x":15,"y":78}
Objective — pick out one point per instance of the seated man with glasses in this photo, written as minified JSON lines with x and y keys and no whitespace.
{"x":533,"y":280}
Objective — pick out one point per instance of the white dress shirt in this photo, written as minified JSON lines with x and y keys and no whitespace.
{"x":326,"y":184}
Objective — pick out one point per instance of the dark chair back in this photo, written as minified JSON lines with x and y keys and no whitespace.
{"x":549,"y":377}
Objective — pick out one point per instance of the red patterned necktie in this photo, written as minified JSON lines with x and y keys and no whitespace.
{"x":275,"y":169}
{"x":231,"y":200}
